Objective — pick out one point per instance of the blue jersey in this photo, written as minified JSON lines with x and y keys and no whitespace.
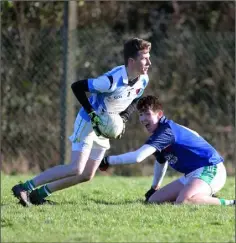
{"x":183,"y":148}
{"x":112,"y":91}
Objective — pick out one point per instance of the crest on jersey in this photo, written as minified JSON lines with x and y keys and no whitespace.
{"x":169,"y":155}
{"x":138,"y":91}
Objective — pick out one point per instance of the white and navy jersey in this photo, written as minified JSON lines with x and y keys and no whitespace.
{"x":183,"y":148}
{"x":112,"y":92}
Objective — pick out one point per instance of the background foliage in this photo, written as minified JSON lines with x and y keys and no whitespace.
{"x":193,"y":50}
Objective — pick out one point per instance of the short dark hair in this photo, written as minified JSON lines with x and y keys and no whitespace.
{"x":149,"y":102}
{"x":133,"y":46}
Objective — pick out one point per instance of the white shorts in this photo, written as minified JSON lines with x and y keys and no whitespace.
{"x":214,"y":176}
{"x":84,"y":137}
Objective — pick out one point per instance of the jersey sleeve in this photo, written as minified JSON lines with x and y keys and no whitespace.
{"x":162,"y":138}
{"x":101,"y":84}
{"x":132,"y":157}
{"x":159,"y":172}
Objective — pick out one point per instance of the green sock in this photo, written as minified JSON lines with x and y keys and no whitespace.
{"x":44,"y":191}
{"x":222,"y":201}
{"x":226,"y":202}
{"x":29,"y":185}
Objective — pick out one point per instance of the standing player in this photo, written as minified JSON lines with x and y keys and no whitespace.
{"x":184,"y":150}
{"x":116,"y":91}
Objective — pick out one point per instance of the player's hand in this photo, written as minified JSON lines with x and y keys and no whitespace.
{"x":149,"y":193}
{"x":104,"y":164}
{"x":123,"y":131}
{"x":95,"y":121}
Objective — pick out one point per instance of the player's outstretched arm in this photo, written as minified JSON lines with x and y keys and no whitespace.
{"x":130,"y":157}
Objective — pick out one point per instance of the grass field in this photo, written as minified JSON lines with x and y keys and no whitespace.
{"x":110,"y":209}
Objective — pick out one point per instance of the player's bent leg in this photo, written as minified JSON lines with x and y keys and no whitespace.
{"x":168,"y":193}
{"x":194,"y":187}
{"x":38,"y":196}
{"x":199,"y":192}
{"x":76,"y":167}
{"x":86,"y":156}
{"x":91,"y":147}
{"x":100,"y":146}
{"x":87,"y":175}
{"x":82,"y":140}
{"x":202,"y":183}
{"x":89,"y":170}
{"x":95,"y":158}
{"x":22,"y":191}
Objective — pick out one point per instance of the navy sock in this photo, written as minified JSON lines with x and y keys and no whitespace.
{"x":44,"y":191}
{"x":29,"y":185}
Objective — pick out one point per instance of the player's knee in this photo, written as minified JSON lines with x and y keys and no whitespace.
{"x":87,"y":176}
{"x":182,"y":200}
{"x":76,"y":170}
{"x":152,"y":200}
{"x":149,"y":201}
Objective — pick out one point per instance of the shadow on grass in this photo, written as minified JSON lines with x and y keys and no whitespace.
{"x":104,"y":202}
{"x":10,"y":204}
{"x":5,"y":223}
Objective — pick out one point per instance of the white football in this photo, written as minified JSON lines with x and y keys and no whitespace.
{"x":112,"y":125}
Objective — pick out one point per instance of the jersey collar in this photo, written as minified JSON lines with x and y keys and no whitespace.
{"x":163,"y":119}
{"x":133,"y":81}
{"x":126,"y":79}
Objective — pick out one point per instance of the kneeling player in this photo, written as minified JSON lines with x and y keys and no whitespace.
{"x":185,"y":151}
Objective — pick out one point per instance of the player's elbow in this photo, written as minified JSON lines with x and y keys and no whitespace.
{"x":74,"y":85}
{"x":138,"y":159}
{"x":81,"y":85}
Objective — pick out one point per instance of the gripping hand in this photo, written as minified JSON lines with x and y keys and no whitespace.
{"x":95,"y":121}
{"x":104,"y":164}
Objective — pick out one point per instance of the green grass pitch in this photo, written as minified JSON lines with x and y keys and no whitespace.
{"x":111,"y":209}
